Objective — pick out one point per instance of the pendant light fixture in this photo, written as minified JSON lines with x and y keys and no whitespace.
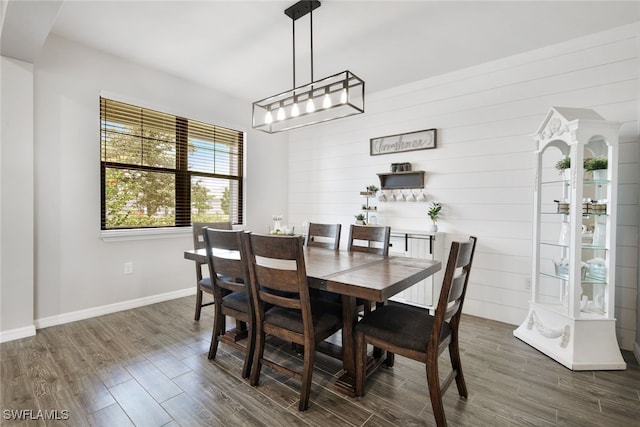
{"x":333,"y":97}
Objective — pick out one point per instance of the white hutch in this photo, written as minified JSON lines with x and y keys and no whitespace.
{"x":571,"y":312}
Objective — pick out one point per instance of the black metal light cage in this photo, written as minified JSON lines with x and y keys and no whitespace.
{"x":334,"y":97}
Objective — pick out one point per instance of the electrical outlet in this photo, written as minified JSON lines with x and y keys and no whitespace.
{"x":527,"y":283}
{"x":128,"y":268}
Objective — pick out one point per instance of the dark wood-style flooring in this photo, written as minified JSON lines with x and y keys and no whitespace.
{"x":149,"y":367}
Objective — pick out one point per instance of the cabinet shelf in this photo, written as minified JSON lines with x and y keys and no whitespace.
{"x":584,"y":214}
{"x":549,"y":243}
{"x":594,"y":247}
{"x":367,"y":208}
{"x":587,"y":181}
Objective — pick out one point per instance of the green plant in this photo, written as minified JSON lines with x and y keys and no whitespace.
{"x":434,"y":211}
{"x":595,"y":163}
{"x":563,"y":164}
{"x":372,"y":188}
{"x":360,"y":217}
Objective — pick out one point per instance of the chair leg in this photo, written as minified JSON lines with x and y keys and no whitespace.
{"x":434,"y":393}
{"x":367,"y":307}
{"x":196,"y":317}
{"x":390,"y":360}
{"x":248,"y":356}
{"x":361,"y":363}
{"x":454,"y":355}
{"x":257,"y":359}
{"x":218,"y":328}
{"x":307,"y":373}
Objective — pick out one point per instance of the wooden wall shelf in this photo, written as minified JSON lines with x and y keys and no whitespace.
{"x":397,"y":180}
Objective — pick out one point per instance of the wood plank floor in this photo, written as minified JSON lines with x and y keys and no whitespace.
{"x":149,"y":367}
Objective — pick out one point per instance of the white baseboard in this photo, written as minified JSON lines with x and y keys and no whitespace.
{"x":18,"y":333}
{"x":110,"y":308}
{"x":636,"y":351}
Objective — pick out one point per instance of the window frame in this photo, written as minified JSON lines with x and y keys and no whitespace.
{"x":182,"y":181}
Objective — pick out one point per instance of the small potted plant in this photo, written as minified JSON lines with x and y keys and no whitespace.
{"x":370,"y":191}
{"x":360,"y":219}
{"x":597,"y":166}
{"x":434,"y":212}
{"x":564,"y":167}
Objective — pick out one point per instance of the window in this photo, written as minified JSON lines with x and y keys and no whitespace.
{"x":160,"y":170}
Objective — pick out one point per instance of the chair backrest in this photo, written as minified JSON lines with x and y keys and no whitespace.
{"x":370,"y":239}
{"x":324,"y":235}
{"x":197,"y":227}
{"x":226,"y":256}
{"x":454,"y":286}
{"x":278,"y":275}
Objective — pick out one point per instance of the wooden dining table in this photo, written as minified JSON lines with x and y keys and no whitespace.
{"x":354,"y":275}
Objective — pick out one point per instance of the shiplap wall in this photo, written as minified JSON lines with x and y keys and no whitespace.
{"x":482,"y":169}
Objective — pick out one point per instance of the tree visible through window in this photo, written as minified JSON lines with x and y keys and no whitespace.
{"x":160,"y":170}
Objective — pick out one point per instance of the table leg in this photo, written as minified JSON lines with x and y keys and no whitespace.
{"x":346,"y":382}
{"x":237,"y":333}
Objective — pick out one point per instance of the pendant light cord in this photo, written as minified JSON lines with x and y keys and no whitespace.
{"x":311,"y":34}
{"x":293,"y":21}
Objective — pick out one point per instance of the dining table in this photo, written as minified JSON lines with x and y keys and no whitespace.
{"x":355,"y":275}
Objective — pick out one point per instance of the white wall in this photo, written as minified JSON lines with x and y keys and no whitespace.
{"x":637,"y":344}
{"x":482,"y":170}
{"x":16,"y":199}
{"x":77,"y":273}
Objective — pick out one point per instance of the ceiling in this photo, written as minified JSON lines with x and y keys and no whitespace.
{"x":244,"y":48}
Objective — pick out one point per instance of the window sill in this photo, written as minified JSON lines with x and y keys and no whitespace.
{"x":144,"y":234}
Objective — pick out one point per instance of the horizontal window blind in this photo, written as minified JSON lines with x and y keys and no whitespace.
{"x":160,"y":170}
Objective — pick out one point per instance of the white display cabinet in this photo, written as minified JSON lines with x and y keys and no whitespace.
{"x":571,"y":312}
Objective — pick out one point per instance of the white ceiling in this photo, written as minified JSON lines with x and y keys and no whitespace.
{"x":244,"y":48}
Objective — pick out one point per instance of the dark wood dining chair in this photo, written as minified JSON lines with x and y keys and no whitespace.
{"x":279,"y":278}
{"x":370,"y":239}
{"x":227,"y":259}
{"x":203,"y":283}
{"x":324,"y":235}
{"x":412,"y":332}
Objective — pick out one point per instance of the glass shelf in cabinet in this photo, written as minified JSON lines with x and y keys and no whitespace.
{"x":554,"y":213}
{"x":556,"y":244}
{"x":588,"y":214}
{"x":556,"y":182}
{"x":596,"y":181}
{"x":555,"y":276}
{"x":589,"y":280}
{"x":593,"y":247}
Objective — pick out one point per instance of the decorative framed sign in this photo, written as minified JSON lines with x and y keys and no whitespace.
{"x":420,"y":140}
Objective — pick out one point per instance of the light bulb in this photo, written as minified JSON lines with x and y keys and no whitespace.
{"x":326,"y":101}
{"x":343,"y":96}
{"x":280,"y":115}
{"x":268,"y":118}
{"x":311,"y":107}
{"x":295,"y":111}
